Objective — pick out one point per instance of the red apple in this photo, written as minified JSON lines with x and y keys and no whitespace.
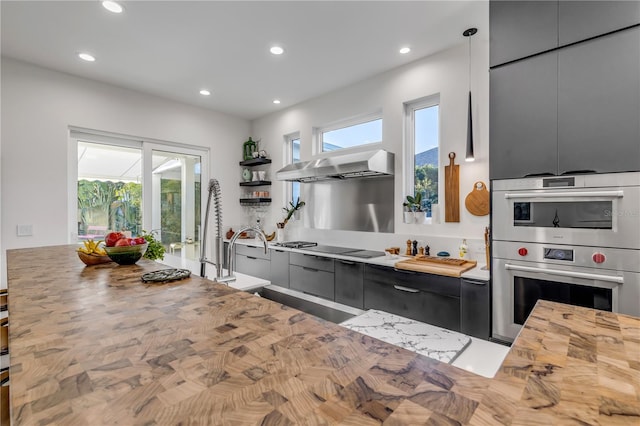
{"x":137,"y":241}
{"x":111,"y":238}
{"x":123,"y":242}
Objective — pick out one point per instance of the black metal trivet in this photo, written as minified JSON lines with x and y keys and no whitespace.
{"x":166,"y":275}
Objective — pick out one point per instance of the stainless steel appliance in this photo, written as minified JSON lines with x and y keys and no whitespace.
{"x":572,"y":239}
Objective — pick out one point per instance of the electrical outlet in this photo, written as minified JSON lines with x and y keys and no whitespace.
{"x":25,"y":230}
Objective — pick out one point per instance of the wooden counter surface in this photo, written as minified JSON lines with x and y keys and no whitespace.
{"x":95,"y":345}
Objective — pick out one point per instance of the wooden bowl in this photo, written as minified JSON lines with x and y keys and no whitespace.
{"x":93,"y":259}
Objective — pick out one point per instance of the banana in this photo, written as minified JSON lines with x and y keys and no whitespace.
{"x":92,"y":247}
{"x":270,"y":237}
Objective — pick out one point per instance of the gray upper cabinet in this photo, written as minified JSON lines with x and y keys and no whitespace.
{"x":523,"y":118}
{"x":580,"y":20}
{"x":521,"y":28}
{"x":599,"y":104}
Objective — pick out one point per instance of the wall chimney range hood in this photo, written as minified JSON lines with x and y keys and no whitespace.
{"x":342,"y":166}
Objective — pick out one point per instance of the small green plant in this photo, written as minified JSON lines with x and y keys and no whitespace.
{"x":414,"y":203}
{"x":155,"y":250}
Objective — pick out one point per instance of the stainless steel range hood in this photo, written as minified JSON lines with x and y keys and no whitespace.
{"x":344,"y":166}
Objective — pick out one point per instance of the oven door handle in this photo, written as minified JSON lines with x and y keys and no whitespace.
{"x":585,"y":275}
{"x":575,"y":194}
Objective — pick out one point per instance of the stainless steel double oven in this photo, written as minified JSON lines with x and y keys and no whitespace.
{"x":569,"y":239}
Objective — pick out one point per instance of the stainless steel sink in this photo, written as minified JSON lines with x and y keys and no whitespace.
{"x":325,"y":309}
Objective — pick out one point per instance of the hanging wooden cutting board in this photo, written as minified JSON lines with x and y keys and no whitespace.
{"x":477,"y":202}
{"x":452,"y":190}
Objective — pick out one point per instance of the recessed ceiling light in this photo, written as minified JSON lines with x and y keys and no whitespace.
{"x":405,"y":50}
{"x":86,"y":57}
{"x":276,"y":50}
{"x":112,"y":6}
{"x":205,"y":92}
{"x":276,"y":101}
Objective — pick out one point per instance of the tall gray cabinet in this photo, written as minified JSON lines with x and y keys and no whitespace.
{"x":564,"y":98}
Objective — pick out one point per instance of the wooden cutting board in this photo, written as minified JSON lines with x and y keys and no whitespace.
{"x":452,"y":190}
{"x":477,"y":202}
{"x":439,"y":266}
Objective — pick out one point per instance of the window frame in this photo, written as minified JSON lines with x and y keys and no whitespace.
{"x":409,"y":144}
{"x":288,"y":159}
{"x":344,"y":123}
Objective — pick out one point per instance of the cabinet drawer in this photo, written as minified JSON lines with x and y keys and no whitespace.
{"x":312,"y":261}
{"x":446,"y":286}
{"x":253,"y":266}
{"x":431,"y":308}
{"x":252,"y":251}
{"x":313,"y":281}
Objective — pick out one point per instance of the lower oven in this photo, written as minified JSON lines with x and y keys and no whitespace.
{"x":600,"y":278}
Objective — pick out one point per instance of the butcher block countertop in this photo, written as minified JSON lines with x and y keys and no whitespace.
{"x":95,"y":345}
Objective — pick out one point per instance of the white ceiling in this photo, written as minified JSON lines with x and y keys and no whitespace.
{"x":173,"y":49}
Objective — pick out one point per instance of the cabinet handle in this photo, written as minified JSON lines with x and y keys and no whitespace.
{"x":474,"y":282}
{"x":404,"y":271}
{"x":279,"y":251}
{"x":317,"y":257}
{"x":407,"y":289}
{"x":346,"y":262}
{"x":309,"y":269}
{"x":251,"y":257}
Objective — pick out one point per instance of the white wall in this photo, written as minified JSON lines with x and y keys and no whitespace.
{"x":445,"y":73}
{"x":39,"y":105}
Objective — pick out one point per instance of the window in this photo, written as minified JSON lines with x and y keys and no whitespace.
{"x":130,"y":185}
{"x":293,"y":156}
{"x":351,"y":133}
{"x":422,"y":148}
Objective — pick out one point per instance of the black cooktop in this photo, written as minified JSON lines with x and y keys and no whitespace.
{"x":297,"y":244}
{"x":345,"y":251}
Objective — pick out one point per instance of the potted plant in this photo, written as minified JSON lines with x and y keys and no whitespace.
{"x":414,"y":203}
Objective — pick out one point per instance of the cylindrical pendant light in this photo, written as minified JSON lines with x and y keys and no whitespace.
{"x":470,"y":156}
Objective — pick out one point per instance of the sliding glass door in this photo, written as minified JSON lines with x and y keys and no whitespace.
{"x":128,"y":185}
{"x":176,"y":198}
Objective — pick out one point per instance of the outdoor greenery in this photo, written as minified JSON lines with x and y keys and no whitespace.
{"x":426,"y":184}
{"x":171,"y":208}
{"x":116,"y":205}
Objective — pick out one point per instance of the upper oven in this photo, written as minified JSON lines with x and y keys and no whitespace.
{"x":591,"y":210}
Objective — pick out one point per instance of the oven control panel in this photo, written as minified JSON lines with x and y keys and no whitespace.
{"x":597,"y":258}
{"x":558,"y":254}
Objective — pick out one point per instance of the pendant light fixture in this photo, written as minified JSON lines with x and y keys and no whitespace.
{"x":470,"y":157}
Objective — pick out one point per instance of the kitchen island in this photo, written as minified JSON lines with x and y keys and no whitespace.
{"x":95,"y":345}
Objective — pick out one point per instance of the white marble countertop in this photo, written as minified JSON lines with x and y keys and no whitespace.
{"x":425,"y":339}
{"x":478,"y":273}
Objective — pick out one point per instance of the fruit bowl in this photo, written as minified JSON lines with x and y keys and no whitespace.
{"x":91,"y":259}
{"x":126,"y":255}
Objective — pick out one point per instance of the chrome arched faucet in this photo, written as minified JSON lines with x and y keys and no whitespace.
{"x":230,"y":253}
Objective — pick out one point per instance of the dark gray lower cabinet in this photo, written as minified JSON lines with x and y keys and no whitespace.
{"x":433,"y":299}
{"x":312,"y":274}
{"x":475,"y":316}
{"x":349,"y":283}
{"x":280,"y":268}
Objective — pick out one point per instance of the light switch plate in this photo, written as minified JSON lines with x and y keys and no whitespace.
{"x":25,"y":230}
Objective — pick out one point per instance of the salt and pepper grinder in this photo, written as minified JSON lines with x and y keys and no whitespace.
{"x":421,"y":251}
{"x":426,"y":250}
{"x":408,"y":253}
{"x":414,"y":252}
